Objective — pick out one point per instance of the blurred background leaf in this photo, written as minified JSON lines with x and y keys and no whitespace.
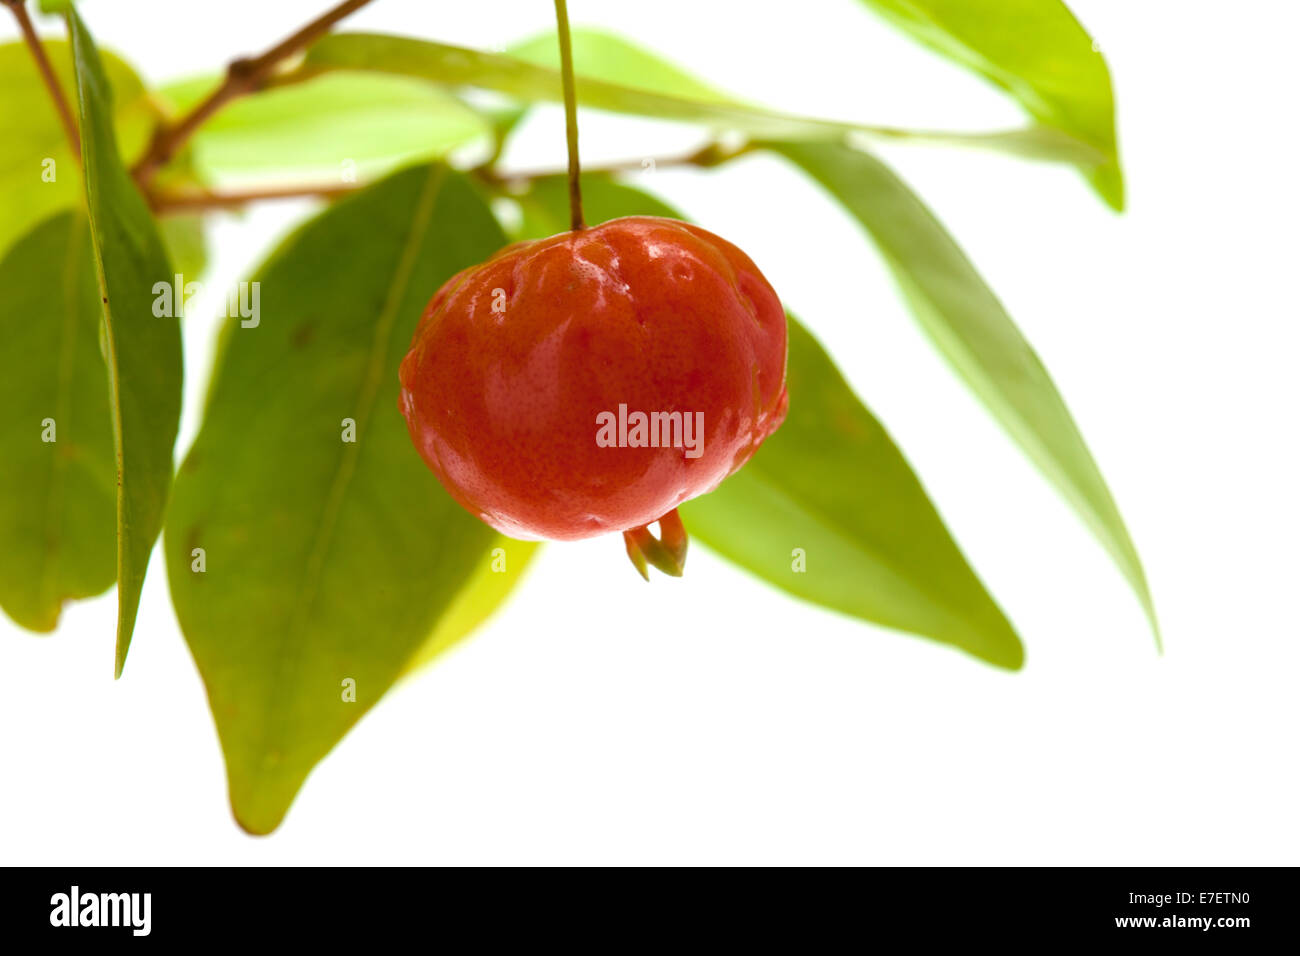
{"x":1035,"y":50}
{"x":606,"y":56}
{"x":973,"y":331}
{"x":681,"y":98}
{"x":829,"y":482}
{"x":186,"y":243}
{"x":58,"y":500}
{"x":325,"y":560}
{"x":361,"y":124}
{"x":143,"y":350}
{"x":31,"y":133}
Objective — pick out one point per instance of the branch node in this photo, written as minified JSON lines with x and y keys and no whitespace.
{"x":243,"y":75}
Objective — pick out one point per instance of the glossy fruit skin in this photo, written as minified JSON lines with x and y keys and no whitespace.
{"x":650,"y":313}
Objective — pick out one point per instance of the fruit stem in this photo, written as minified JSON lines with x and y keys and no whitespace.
{"x":667,"y":552}
{"x":576,"y":221}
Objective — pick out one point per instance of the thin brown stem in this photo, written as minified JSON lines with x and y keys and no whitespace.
{"x":47,"y":74}
{"x":570,"y":115}
{"x":198,"y":201}
{"x":243,"y":76}
{"x":167,"y":203}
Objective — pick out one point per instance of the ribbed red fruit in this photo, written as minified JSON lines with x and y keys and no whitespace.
{"x":526,"y":374}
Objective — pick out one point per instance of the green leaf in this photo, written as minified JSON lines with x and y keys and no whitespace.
{"x":143,"y":351}
{"x":970,"y":327}
{"x":334,"y":126}
{"x":458,"y":66}
{"x":1035,"y":50}
{"x":57,"y":497}
{"x":325,"y":560}
{"x":38,"y":171}
{"x":829,"y":482}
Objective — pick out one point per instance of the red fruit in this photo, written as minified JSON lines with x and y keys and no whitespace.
{"x":518,"y":370}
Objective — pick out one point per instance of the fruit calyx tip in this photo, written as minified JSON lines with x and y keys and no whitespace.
{"x":667,"y":553}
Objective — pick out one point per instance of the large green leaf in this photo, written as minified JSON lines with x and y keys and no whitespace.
{"x":830,"y":483}
{"x":143,"y":350}
{"x":325,"y":560}
{"x":529,"y":82}
{"x":340,"y":125}
{"x":38,"y":171}
{"x":971,"y":328}
{"x":58,"y":483}
{"x":1035,"y":50}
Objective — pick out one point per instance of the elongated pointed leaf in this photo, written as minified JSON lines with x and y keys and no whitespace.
{"x":327,"y":563}
{"x":1035,"y":50}
{"x":970,"y":327}
{"x":458,"y":66}
{"x":143,"y":350}
{"x":828,"y":509}
{"x":58,"y":484}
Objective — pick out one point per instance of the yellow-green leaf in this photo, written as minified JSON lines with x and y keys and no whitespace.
{"x":970,"y":327}
{"x":599,"y":55}
{"x":344,"y":127}
{"x":1039,"y":53}
{"x":529,"y":82}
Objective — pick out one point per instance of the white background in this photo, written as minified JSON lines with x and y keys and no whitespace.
{"x":598,"y":719}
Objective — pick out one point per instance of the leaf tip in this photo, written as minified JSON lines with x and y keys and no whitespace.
{"x":125,"y":626}
{"x":1108,"y":181}
{"x":260,"y":798}
{"x":1006,"y":652}
{"x":1150,"y":608}
{"x":255,"y":828}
